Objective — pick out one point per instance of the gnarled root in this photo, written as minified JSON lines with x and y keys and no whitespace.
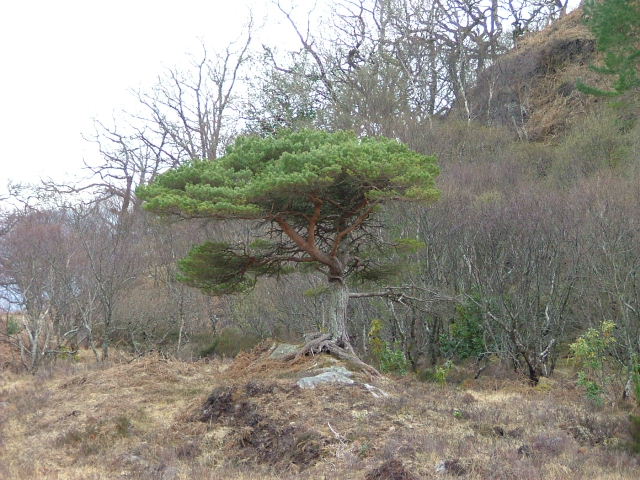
{"x":325,"y":343}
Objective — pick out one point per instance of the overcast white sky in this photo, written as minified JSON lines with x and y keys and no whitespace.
{"x":65,"y":62}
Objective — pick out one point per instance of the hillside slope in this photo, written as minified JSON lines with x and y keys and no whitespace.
{"x":159,"y":419}
{"x":533,"y":88}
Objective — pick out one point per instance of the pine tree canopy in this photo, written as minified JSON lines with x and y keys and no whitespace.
{"x":314,"y":189}
{"x":616,"y":27}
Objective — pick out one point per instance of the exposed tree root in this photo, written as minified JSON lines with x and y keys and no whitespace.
{"x":325,"y":343}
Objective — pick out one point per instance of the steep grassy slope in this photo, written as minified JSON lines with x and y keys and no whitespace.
{"x":533,"y":87}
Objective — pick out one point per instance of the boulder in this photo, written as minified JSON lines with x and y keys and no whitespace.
{"x":339,"y":369}
{"x":330,"y":377}
{"x":281,"y":350}
{"x":451,"y":467}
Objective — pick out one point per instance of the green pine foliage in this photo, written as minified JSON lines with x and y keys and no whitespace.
{"x":261,"y":177}
{"x":219,"y":268}
{"x":616,"y":26}
{"x":314,"y":189}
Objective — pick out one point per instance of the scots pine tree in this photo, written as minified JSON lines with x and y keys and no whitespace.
{"x":316,"y":195}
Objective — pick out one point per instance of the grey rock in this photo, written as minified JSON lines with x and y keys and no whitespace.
{"x":133,"y":459}
{"x":375,"y":391}
{"x":339,"y":369}
{"x":324,"y":379}
{"x":281,"y":350}
{"x":451,"y":467}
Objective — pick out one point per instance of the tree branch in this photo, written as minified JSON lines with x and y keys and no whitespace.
{"x":303,"y":244}
{"x":359,"y":221}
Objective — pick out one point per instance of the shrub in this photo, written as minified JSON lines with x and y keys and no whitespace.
{"x":590,"y":349}
{"x":634,"y":430}
{"x":595,"y":142}
{"x":65,"y":352}
{"x":393,"y":360}
{"x":465,"y":338}
{"x":375,"y":337}
{"x":438,"y":374}
{"x":590,"y":353}
{"x":123,"y":426}
{"x":13,"y":327}
{"x":593,"y":390}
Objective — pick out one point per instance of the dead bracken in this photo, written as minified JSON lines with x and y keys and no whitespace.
{"x":247,"y":419}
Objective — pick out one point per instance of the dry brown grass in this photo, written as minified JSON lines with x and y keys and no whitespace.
{"x":534,"y":85}
{"x":143,"y":420}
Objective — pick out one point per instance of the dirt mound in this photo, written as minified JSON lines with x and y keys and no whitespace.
{"x":532,"y":89}
{"x":390,"y":470}
{"x":256,"y":435}
{"x":264,"y":417}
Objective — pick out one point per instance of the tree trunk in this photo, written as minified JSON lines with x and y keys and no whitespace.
{"x":106,"y":340}
{"x":336,"y":340}
{"x":338,"y":301}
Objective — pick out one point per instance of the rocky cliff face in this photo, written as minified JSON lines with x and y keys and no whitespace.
{"x":532,"y":89}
